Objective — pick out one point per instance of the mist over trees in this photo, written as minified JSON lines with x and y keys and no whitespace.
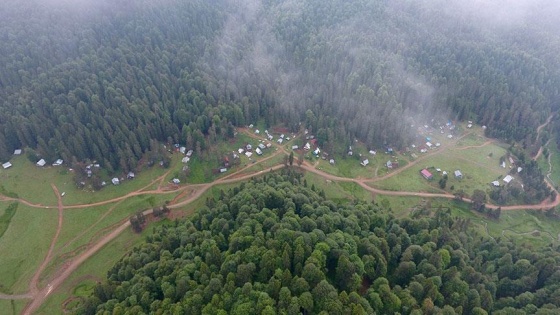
{"x":99,"y":79}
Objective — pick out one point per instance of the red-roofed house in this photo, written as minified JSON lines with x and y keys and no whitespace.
{"x":426,"y":174}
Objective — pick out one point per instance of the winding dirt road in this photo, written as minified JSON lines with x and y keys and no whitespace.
{"x":39,"y":295}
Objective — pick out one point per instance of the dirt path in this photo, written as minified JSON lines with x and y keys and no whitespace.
{"x":539,"y":129}
{"x":38,"y":296}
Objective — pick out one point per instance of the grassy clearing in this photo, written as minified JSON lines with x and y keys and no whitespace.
{"x":6,"y":213}
{"x":82,"y":226}
{"x":34,"y":184}
{"x":349,"y":166}
{"x":82,"y":281}
{"x":12,"y":307}
{"x":471,"y":139}
{"x":479,"y":166}
{"x":24,"y":245}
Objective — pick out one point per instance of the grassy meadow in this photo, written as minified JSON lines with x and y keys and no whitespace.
{"x":24,"y":245}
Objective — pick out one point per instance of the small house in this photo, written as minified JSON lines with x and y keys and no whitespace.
{"x":444,"y":173}
{"x":258,"y":151}
{"x":17,"y":152}
{"x":280,"y":140}
{"x":504,"y":164}
{"x":240,"y":151}
{"x":58,"y":162}
{"x":295,"y":147}
{"x":189,"y":153}
{"x":7,"y":165}
{"x":268,"y":145}
{"x":183,"y":150}
{"x":389,"y":165}
{"x":130,"y":175}
{"x":282,"y":136}
{"x":317,"y":151}
{"x":519,"y":169}
{"x":248,"y":154}
{"x":372,"y":152}
{"x":496,"y":183}
{"x":257,"y":131}
{"x":115,"y":181}
{"x":262,"y":146}
{"x":511,"y":160}
{"x":331,"y":161}
{"x":307,"y":146}
{"x":249,"y":147}
{"x":176,"y":181}
{"x":186,"y":159}
{"x":223,"y":170}
{"x":458,"y":174}
{"x":365,"y":162}
{"x":251,"y":126}
{"x":426,"y":174}
{"x":429,"y":144}
{"x":508,"y":179}
{"x":41,"y":163}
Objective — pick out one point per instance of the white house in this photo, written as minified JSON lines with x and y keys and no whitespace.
{"x":17,"y":152}
{"x":307,"y":146}
{"x":372,"y":152}
{"x":41,"y":162}
{"x":262,"y":146}
{"x":183,"y":150}
{"x":257,"y":131}
{"x":186,"y":159}
{"x":508,"y":179}
{"x":258,"y":151}
{"x":58,"y":162}
{"x":504,"y":164}
{"x":130,"y":175}
{"x":429,"y":144}
{"x":248,"y":154}
{"x":223,"y":170}
{"x":280,"y":140}
{"x":240,"y":150}
{"x":519,"y":169}
{"x":331,"y":161}
{"x":295,"y":147}
{"x":7,"y":165}
{"x":496,"y":183}
{"x":115,"y":181}
{"x":189,"y":153}
{"x":365,"y":162}
{"x":458,"y":174}
{"x":176,"y":181}
{"x":317,"y":151}
{"x":389,"y":164}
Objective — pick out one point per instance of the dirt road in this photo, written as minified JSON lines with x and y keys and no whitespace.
{"x":38,"y":296}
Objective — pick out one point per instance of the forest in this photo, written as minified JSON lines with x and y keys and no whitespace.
{"x":273,"y":245}
{"x":100,"y":80}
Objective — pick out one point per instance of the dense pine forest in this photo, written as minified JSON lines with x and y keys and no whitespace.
{"x":275,"y":246}
{"x":101,"y":80}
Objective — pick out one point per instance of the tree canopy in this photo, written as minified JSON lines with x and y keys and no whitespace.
{"x":274,"y":246}
{"x":98,"y":80}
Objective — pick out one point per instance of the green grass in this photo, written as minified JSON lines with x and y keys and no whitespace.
{"x":82,"y":226}
{"x":34,"y":184}
{"x":6,"y":215}
{"x":82,"y":281}
{"x":12,"y":307}
{"x":24,"y":245}
{"x":477,"y":167}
